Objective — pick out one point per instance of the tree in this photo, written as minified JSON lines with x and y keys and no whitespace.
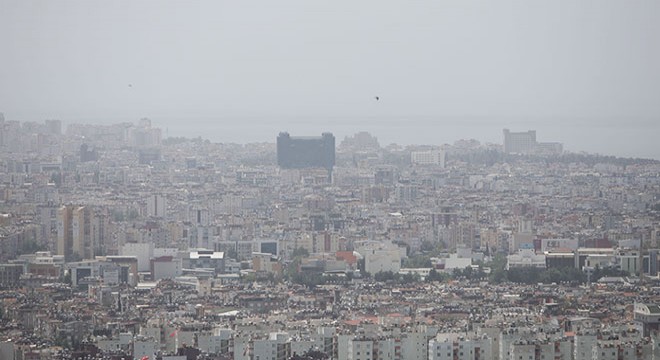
{"x":419,"y":261}
{"x":523,"y":275}
{"x":599,"y":273}
{"x":467,"y":272}
{"x":311,"y":279}
{"x":300,"y":252}
{"x":434,"y":276}
{"x":291,"y":269}
{"x":546,"y":276}
{"x":384,"y":276}
{"x":497,"y":269}
{"x":480,"y":274}
{"x":408,"y":278}
{"x":497,"y":276}
{"x":249,"y":278}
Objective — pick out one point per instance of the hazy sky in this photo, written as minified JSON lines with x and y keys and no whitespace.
{"x":522,"y":64}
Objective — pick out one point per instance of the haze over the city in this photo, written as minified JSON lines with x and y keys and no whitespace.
{"x":584,"y":73}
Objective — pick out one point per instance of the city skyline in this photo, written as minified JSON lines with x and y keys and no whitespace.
{"x":117,"y":242}
{"x":329,"y":180}
{"x":616,"y":139}
{"x":577,"y":67}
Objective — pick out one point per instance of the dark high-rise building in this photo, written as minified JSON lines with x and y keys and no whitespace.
{"x":298,"y":152}
{"x":88,"y":154}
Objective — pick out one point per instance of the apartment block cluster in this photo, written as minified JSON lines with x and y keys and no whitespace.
{"x":175,"y":320}
{"x":116,"y":242}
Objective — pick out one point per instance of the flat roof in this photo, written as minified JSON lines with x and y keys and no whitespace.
{"x":207,"y":255}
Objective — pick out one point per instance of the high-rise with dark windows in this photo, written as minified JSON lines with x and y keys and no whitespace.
{"x":299,"y":152}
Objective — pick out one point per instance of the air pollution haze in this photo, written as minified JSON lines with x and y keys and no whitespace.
{"x":584,"y":73}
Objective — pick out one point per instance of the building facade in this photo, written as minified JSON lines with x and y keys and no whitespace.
{"x":306,"y":152}
{"x":519,"y":142}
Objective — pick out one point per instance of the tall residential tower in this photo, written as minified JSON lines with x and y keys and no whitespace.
{"x":301,"y":152}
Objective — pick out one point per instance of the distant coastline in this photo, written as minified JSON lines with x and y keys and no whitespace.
{"x":607,"y":139}
{"x":611,"y":137}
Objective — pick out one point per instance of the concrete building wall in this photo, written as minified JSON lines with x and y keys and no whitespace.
{"x":143,"y":251}
{"x":7,"y":351}
{"x":162,"y":269}
{"x":157,"y":206}
{"x":145,"y":347}
{"x":382,"y":260}
{"x":431,"y":157}
{"x":519,"y":142}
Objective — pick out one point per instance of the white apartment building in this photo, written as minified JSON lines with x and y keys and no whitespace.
{"x":382,"y":260}
{"x":525,"y":258}
{"x":361,"y":349}
{"x":144,"y":346}
{"x":276,"y":347}
{"x":454,"y":347}
{"x":143,"y":251}
{"x":157,"y":206}
{"x":430,"y":157}
{"x":519,"y":142}
{"x":414,"y":346}
{"x":166,"y":267}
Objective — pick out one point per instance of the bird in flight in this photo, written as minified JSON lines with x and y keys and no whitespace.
{"x":130,"y":85}
{"x":377,"y":98}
